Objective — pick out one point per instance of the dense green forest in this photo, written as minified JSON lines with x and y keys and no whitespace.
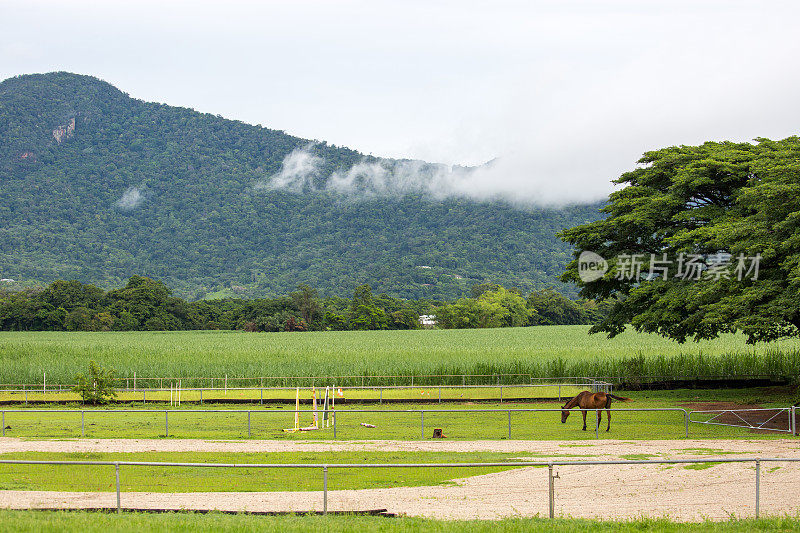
{"x":97,"y":186}
{"x":146,"y":304}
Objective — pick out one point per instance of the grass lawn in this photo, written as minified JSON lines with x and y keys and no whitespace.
{"x":267,"y":422}
{"x":90,"y":522}
{"x":191,"y":479}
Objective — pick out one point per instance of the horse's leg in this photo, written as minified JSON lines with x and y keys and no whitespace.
{"x":584,"y":420}
{"x":608,"y":415}
{"x":599,"y":417}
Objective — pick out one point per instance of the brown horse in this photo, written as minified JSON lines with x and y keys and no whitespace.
{"x":592,"y":400}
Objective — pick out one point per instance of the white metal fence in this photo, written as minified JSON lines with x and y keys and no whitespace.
{"x":135,"y":383}
{"x":334,"y":414}
{"x":502,"y":391}
{"x":326,"y":468}
{"x":765,"y":419}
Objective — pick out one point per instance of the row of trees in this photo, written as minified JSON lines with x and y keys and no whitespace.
{"x":147,"y":304}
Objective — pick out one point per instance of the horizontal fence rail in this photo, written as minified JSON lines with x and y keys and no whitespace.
{"x":409,"y":380}
{"x":327,"y":467}
{"x":335,"y":414}
{"x":132,"y":381}
{"x":499,"y":392}
{"x":735,"y":419}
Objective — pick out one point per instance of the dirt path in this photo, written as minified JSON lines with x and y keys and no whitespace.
{"x":682,"y":493}
{"x":550,"y":448}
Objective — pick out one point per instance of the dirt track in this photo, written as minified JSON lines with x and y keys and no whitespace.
{"x":587,"y":491}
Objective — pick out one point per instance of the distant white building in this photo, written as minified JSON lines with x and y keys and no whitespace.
{"x":427,"y":320}
{"x":7,"y":280}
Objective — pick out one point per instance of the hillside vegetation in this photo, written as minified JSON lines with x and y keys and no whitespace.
{"x":98,"y":186}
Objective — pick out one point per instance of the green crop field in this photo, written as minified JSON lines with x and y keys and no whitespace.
{"x":544,"y":351}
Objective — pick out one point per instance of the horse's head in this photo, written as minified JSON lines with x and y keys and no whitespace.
{"x":564,"y":414}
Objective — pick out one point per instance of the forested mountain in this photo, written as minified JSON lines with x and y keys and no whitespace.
{"x":97,"y":186}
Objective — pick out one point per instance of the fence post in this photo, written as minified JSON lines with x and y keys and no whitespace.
{"x":166,"y":423}
{"x":4,"y":423}
{"x":559,"y":393}
{"x":758,"y":486}
{"x":325,"y":490}
{"x":686,"y":422}
{"x":597,"y":425}
{"x":551,"y":491}
{"x":83,"y":434}
{"x":334,"y":424}
{"x":381,"y":399}
{"x":501,"y":393}
{"x":144,"y":397}
{"x":261,"y":400}
{"x":793,"y":425}
{"x":116,"y":468}
{"x":440,"y":394}
{"x":201,"y":396}
{"x":248,"y":424}
{"x":422,"y":423}
{"x":509,"y":424}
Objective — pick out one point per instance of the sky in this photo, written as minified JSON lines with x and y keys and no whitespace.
{"x":563,"y":95}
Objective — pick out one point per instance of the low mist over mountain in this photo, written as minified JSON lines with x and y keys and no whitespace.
{"x":98,"y":186}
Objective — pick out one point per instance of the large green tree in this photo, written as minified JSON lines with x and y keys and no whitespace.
{"x":683,"y":237}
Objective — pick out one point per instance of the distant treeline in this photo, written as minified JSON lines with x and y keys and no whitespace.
{"x":146,"y":304}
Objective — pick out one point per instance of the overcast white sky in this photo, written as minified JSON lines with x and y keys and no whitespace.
{"x":567,"y":94}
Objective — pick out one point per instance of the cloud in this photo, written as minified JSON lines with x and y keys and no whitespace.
{"x":370,"y":178}
{"x":130,"y":199}
{"x":297,"y":172}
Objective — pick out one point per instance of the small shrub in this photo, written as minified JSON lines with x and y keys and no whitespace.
{"x":97,"y":387}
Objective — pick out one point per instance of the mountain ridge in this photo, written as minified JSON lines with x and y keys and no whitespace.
{"x":98,"y":186}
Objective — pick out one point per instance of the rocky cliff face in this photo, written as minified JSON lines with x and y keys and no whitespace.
{"x":64,"y":132}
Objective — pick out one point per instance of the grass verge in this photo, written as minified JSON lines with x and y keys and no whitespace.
{"x":90,"y":522}
{"x":193,"y":479}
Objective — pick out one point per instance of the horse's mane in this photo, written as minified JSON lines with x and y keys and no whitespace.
{"x":572,"y":403}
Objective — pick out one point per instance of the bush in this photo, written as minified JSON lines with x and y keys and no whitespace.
{"x":97,"y":388}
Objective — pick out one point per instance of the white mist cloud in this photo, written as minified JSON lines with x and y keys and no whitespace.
{"x":297,"y":172}
{"x":497,"y":180}
{"x":130,"y":199}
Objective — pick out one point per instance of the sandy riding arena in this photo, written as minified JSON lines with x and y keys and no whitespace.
{"x":679,"y":491}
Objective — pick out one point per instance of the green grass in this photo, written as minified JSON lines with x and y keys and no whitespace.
{"x":545,"y":351}
{"x":701,"y":466}
{"x":268,"y":422}
{"x":92,"y":522}
{"x":194,"y":479}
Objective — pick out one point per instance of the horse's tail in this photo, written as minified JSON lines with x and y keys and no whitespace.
{"x":620,"y":398}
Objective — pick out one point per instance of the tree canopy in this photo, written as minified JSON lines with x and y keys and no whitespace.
{"x":147,"y":304}
{"x":701,"y":240}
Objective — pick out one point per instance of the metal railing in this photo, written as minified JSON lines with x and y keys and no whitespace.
{"x":356,"y":381}
{"x":335,"y":414}
{"x":258,"y":392}
{"x":326,"y":467}
{"x":739,"y":421}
